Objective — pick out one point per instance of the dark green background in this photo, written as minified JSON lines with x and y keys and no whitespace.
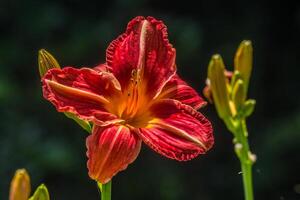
{"x":52,"y":148}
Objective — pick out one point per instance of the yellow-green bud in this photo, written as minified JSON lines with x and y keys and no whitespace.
{"x":46,"y":61}
{"x":20,"y":186}
{"x":238,"y":95}
{"x":219,"y":84}
{"x":41,"y":193}
{"x":243,"y":61}
{"x":235,"y":77}
{"x":248,"y":107}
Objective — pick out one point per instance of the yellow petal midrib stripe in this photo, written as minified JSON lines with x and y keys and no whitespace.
{"x":74,"y":91}
{"x":181,"y":133}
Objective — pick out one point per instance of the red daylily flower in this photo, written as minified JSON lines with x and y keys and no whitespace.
{"x":135,"y":96}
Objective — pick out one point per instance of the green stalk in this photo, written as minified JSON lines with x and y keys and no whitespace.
{"x":247,"y":181}
{"x":105,"y":190}
{"x":243,"y":153}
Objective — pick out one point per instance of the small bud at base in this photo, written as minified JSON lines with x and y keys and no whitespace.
{"x":252,"y":157}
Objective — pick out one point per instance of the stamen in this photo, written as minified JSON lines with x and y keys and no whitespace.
{"x":133,"y":94}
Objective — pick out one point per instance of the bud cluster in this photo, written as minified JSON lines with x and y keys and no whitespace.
{"x":228,"y":90}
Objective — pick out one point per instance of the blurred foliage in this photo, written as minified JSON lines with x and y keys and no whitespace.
{"x":52,"y":148}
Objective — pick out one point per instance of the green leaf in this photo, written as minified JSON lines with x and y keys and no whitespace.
{"x":84,"y":124}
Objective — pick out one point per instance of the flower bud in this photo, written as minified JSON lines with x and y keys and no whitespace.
{"x":41,"y":193}
{"x":218,"y":85}
{"x":238,"y":149}
{"x":243,"y":61}
{"x":248,"y":107}
{"x":252,"y":157}
{"x":20,"y":186}
{"x":235,"y":77}
{"x":238,"y":95}
{"x":46,"y":61}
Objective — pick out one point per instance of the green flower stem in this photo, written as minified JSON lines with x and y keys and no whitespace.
{"x":247,"y":181}
{"x":244,"y":154}
{"x":105,"y":190}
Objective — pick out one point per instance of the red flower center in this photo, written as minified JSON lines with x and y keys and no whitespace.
{"x":132,"y":104}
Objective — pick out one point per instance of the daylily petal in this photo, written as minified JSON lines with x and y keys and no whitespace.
{"x":84,"y":92}
{"x":177,"y":131}
{"x":110,"y":150}
{"x":102,"y":68}
{"x":179,"y":90}
{"x":143,"y":53}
